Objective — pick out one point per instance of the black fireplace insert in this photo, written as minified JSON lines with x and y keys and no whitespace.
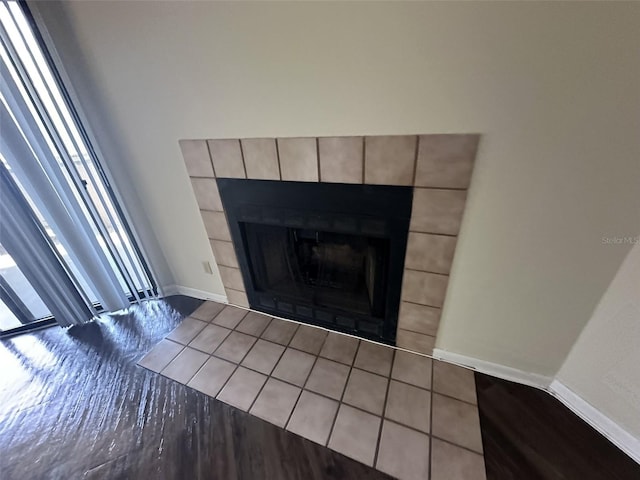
{"x":321,"y":253}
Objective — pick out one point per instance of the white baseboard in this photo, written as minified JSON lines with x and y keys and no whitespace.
{"x":587,"y":412}
{"x":192,"y":292}
{"x":598,"y":420}
{"x":494,"y":369}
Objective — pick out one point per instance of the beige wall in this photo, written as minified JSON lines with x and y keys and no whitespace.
{"x":553,"y":88}
{"x":603,"y":366}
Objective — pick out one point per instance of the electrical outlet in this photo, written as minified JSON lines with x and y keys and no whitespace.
{"x":207,"y":268}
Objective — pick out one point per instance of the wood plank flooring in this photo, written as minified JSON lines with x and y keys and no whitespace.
{"x":528,"y":434}
{"x":74,"y":405}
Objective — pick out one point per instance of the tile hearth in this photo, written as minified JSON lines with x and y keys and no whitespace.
{"x":402,"y":413}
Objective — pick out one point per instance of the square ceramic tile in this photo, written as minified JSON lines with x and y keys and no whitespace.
{"x":236,"y":297}
{"x":308,"y":339}
{"x":341,"y":159}
{"x":242,"y":388}
{"x":390,"y":160}
{"x":231,"y":277}
{"x":187,"y":330}
{"x":340,"y":348}
{"x":207,"y":311}
{"x":224,"y":253}
{"x":263,"y":356}
{"x":261,"y":158}
{"x":313,"y":416}
{"x":253,"y":324}
{"x":355,"y":434}
{"x":409,"y":406}
{"x":294,"y":367}
{"x":374,"y":358}
{"x":196,"y":158}
{"x":415,"y":342}
{"x":446,"y":161}
{"x":280,"y":331}
{"x":437,"y":211}
{"x":457,"y":422}
{"x":457,"y":382}
{"x":424,"y":288}
{"x":419,"y":318}
{"x":449,"y":461}
{"x":227,"y":158}
{"x":403,"y":453}
{"x":209,"y":338}
{"x":230,"y":317}
{"x":212,"y":376}
{"x":276,"y":401}
{"x":235,"y":347}
{"x":185,"y":365}
{"x":366,"y":391}
{"x":412,"y":368}
{"x":328,"y":378}
{"x":160,"y":355}
{"x":430,"y":253}
{"x":298,"y":159}
{"x":215,"y":223}
{"x":207,"y":195}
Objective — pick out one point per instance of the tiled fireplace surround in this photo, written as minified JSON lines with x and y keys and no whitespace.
{"x":438,"y":166}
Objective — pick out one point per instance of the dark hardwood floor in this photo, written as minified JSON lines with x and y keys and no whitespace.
{"x":528,"y":434}
{"x":73,"y":405}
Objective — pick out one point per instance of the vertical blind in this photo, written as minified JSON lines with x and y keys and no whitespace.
{"x":47,"y":156}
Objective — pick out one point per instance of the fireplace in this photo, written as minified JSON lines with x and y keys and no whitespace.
{"x":326,"y":254}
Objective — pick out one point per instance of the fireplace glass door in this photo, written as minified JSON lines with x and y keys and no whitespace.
{"x":324,"y":269}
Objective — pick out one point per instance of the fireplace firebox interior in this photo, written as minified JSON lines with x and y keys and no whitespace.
{"x":326,"y":254}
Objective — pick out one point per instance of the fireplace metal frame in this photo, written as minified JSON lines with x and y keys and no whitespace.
{"x":379,"y":211}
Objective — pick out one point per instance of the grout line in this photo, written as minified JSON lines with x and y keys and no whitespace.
{"x":244,"y":166}
{"x":201,"y":177}
{"x":197,"y":370}
{"x":306,"y":380}
{"x":344,"y":390}
{"x":235,"y":369}
{"x":426,"y":271}
{"x":235,"y":290}
{"x":420,"y":304}
{"x":318,"y":159}
{"x":434,"y":233}
{"x":431,"y":418}
{"x":270,"y":372}
{"x":297,"y":386}
{"x":415,"y":331}
{"x":169,"y":363}
{"x":415,"y":161}
{"x":435,"y":392}
{"x":210,"y":159}
{"x":456,"y":445}
{"x":384,"y":408}
{"x":214,"y":211}
{"x":278,"y":159}
{"x":196,"y":334}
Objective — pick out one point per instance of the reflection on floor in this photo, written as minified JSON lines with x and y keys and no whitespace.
{"x":381,"y":406}
{"x":74,"y":405}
